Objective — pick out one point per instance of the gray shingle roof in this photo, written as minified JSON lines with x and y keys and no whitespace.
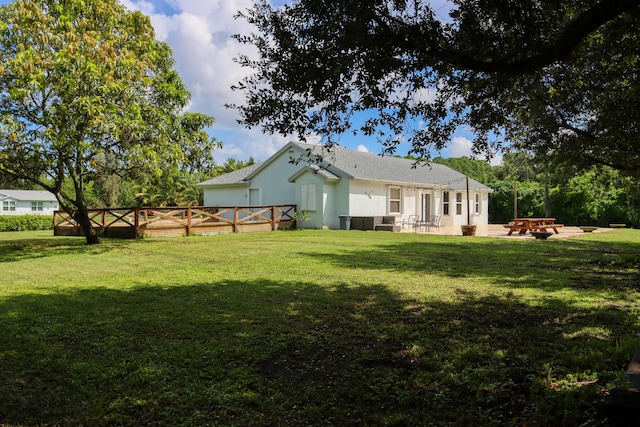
{"x":28,"y":195}
{"x":232,"y":178}
{"x":326,"y":174}
{"x":342,"y":162}
{"x":368,"y":166}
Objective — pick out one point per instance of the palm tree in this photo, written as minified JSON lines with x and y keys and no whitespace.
{"x":178,"y":192}
{"x":232,"y":165}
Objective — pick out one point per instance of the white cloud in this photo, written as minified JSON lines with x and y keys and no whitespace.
{"x":196,"y":6}
{"x":199,"y":34}
{"x":427,"y":95}
{"x":143,"y":6}
{"x":244,"y":143}
{"x":460,"y":146}
{"x":200,"y":37}
{"x":496,"y":160}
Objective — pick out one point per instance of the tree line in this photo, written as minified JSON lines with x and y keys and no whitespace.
{"x":524,"y":185}
{"x":529,"y":185}
{"x":112,"y":190}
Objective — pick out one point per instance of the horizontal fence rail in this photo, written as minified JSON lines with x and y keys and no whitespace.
{"x":177,"y":221}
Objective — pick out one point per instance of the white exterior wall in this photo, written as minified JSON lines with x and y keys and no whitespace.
{"x":455,"y":219}
{"x":367,"y":198}
{"x":412,"y":203}
{"x":272,"y":183}
{"x":227,"y":196}
{"x":24,"y":208}
{"x":316,"y":216}
{"x":330,"y":216}
{"x":483,"y":216}
{"x":342,"y":197}
{"x":371,"y":199}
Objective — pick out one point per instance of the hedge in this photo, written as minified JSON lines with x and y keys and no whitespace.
{"x":26,"y":223}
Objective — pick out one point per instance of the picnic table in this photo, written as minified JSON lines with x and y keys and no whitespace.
{"x":522,"y":225}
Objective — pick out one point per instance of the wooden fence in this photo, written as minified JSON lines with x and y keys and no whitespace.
{"x":135,"y":223}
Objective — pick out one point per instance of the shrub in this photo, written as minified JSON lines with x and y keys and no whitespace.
{"x":26,"y":223}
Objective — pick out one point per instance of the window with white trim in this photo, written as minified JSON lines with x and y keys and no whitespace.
{"x":36,"y":206}
{"x":8,"y":205}
{"x":458,"y":203}
{"x":308,"y":197}
{"x":445,"y":203}
{"x":395,"y":200}
{"x":477,"y":207}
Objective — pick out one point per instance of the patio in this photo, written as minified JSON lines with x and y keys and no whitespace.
{"x":498,"y":230}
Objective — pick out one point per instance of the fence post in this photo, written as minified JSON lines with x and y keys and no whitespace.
{"x":189,"y":221}
{"x":274,"y":212}
{"x":136,"y":221}
{"x":235,"y":219}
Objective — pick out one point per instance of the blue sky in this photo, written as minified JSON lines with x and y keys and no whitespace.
{"x":199,"y":33}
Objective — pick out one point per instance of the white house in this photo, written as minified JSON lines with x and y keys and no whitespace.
{"x":27,"y":202}
{"x":328,"y":184}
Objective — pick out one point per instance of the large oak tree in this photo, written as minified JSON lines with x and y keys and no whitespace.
{"x":86,"y":91}
{"x":555,"y":75}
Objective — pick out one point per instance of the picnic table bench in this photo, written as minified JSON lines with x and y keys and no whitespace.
{"x":522,"y":225}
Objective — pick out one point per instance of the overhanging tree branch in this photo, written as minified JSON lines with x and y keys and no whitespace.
{"x":438,"y":50}
{"x":506,"y":70}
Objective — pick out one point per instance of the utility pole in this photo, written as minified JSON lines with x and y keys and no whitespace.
{"x":515,"y":199}
{"x":546,"y":190}
{"x":468,"y":202}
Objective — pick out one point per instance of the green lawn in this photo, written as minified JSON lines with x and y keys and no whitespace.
{"x":316,"y":328}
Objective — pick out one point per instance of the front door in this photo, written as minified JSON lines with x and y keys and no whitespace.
{"x":425,"y":206}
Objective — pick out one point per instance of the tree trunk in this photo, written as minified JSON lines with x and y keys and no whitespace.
{"x":82,"y":217}
{"x":634,"y":212}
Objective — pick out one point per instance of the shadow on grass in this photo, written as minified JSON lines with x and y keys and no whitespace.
{"x":546,"y":265}
{"x":20,"y":248}
{"x":272,"y":353}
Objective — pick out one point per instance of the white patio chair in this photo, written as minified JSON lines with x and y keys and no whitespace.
{"x":411,"y":221}
{"x":433,"y":221}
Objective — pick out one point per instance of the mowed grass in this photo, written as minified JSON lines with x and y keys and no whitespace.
{"x":316,"y":328}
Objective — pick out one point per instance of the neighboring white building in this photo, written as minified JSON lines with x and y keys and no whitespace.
{"x":327,"y":185}
{"x":27,"y":202}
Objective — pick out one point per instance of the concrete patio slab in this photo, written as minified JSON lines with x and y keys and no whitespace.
{"x":498,"y":230}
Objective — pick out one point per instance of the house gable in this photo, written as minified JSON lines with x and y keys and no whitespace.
{"x":314,"y":169}
{"x":269,"y":179}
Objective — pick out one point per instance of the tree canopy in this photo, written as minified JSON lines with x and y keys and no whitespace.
{"x":86,"y":92}
{"x":557,"y":75}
